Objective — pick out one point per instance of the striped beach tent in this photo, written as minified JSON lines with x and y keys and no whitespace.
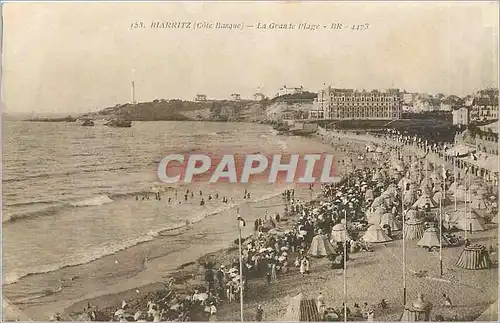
{"x":321,"y":247}
{"x":474,"y":257}
{"x":414,"y":229}
{"x":302,"y":309}
{"x":388,"y":219}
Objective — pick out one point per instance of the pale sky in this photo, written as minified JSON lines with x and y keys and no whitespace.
{"x":78,"y":57}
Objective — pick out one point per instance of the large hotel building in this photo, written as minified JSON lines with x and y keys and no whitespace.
{"x":350,"y":104}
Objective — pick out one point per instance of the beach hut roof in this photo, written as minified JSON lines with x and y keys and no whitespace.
{"x":423,"y":200}
{"x":467,"y":221}
{"x":321,"y":247}
{"x":375,"y":234}
{"x":431,"y":238}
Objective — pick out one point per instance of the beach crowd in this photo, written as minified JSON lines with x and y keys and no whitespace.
{"x":337,"y":223}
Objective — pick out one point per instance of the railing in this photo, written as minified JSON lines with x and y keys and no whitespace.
{"x":438,"y":157}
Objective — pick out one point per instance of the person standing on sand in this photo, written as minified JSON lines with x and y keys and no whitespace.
{"x":303,"y":265}
{"x":447,"y":301}
{"x":260,"y":313}
{"x":274,"y":275}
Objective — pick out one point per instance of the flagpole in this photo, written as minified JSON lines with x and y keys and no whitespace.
{"x":455,"y":180}
{"x":468,"y":199}
{"x":441,"y":231}
{"x":345,"y":267}
{"x":404,"y":248}
{"x":241,"y":268}
{"x":465,"y":204}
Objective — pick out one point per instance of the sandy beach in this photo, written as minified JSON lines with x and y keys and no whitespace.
{"x":165,"y":254}
{"x":370,"y":276}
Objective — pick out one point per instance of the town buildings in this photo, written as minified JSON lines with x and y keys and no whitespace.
{"x":285,"y":90}
{"x":461,"y":116}
{"x":483,"y":143}
{"x":259,"y":97}
{"x":201,"y":97}
{"x":338,"y":104}
{"x":485,"y":105}
{"x":235,"y":97}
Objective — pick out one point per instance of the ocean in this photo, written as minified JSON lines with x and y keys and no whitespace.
{"x":70,"y":201}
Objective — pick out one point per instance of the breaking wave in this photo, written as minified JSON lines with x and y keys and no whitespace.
{"x":112,"y":248}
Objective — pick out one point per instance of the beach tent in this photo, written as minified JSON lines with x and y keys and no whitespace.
{"x":495,"y":217}
{"x":392,"y":189}
{"x":475,"y":187}
{"x":321,"y":247}
{"x":474,"y":257}
{"x":388,"y":219}
{"x":423,"y":200}
{"x":389,"y":200}
{"x":464,"y":221}
{"x":409,"y":197}
{"x":402,"y":182}
{"x":378,"y":202}
{"x":480,"y":203}
{"x":418,"y":311}
{"x":491,"y":313}
{"x":431,"y":238}
{"x":453,"y":187}
{"x":339,"y":233}
{"x":375,"y":234}
{"x":426,"y":188}
{"x":445,"y":200}
{"x":375,"y":216}
{"x":413,"y":229}
{"x":302,"y":309}
{"x":460,"y":193}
